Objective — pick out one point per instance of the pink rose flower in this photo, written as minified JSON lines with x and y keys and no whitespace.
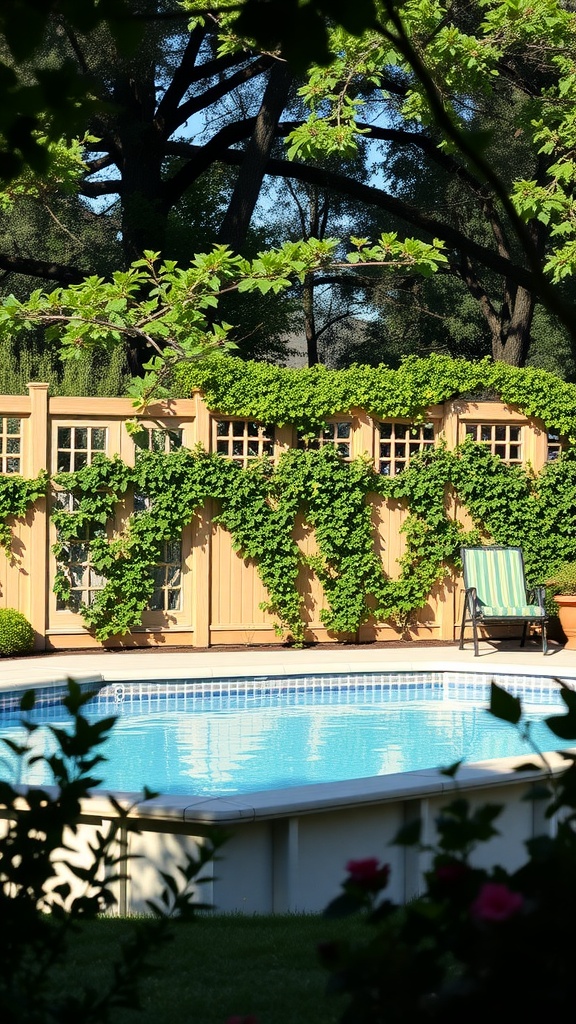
{"x":496,"y":902}
{"x":368,"y":873}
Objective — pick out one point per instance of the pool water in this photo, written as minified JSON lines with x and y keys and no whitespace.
{"x":226,"y":737}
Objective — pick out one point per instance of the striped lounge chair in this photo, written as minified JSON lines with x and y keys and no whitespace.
{"x":496,"y":592}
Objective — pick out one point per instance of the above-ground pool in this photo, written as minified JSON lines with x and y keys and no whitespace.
{"x":230,"y":736}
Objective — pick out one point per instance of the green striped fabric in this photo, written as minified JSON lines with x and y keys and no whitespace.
{"x":520,"y":611}
{"x":497,"y":574}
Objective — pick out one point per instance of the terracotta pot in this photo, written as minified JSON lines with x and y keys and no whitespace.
{"x":567,"y":612}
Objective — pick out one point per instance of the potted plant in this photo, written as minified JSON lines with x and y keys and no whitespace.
{"x":561,"y":587}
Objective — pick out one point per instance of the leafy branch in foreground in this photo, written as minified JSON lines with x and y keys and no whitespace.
{"x":171,"y":311}
{"x":47,"y":892}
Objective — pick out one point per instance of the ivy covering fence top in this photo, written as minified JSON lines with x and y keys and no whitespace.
{"x":307,"y":397}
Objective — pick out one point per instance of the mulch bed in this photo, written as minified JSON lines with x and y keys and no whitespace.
{"x":384,"y":645}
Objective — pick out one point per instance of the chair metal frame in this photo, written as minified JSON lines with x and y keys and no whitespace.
{"x":472,"y":612}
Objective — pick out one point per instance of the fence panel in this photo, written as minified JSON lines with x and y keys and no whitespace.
{"x":214,"y":595}
{"x":236,"y":593}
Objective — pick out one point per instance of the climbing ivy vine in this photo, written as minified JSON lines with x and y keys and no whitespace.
{"x":17,"y":495}
{"x":260,"y":505}
{"x":307,"y":397}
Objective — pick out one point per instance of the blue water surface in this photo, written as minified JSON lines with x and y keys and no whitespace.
{"x":233,"y":737}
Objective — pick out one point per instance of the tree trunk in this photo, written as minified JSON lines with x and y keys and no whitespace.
{"x":511,"y":324}
{"x":236,"y":221}
{"x":510,"y":344}
{"x":309,"y":320}
{"x":143,"y":222}
{"x":140,"y":147}
{"x":141,"y":153}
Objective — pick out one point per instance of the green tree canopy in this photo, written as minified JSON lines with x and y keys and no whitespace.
{"x":416,"y":77}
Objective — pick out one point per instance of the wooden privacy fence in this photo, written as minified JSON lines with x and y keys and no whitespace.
{"x":206,"y":593}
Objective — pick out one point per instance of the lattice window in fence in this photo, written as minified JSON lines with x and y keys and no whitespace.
{"x":503,"y":439}
{"x":10,"y":444}
{"x":77,"y":446}
{"x":398,"y":442}
{"x":85,"y":582}
{"x":167,"y":595}
{"x":336,"y":432}
{"x":244,"y":440}
{"x":555,"y":445}
{"x":158,"y":439}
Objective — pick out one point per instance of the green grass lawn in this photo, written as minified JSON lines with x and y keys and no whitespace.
{"x":222,"y":966}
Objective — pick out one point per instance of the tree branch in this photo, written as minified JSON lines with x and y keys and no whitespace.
{"x":93,"y":189}
{"x":236,"y":221}
{"x":398,"y":208}
{"x":428,"y":146}
{"x":46,"y":269}
{"x":477,"y":290}
{"x":216,"y":92}
{"x":539,"y":283}
{"x":181,"y":79}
